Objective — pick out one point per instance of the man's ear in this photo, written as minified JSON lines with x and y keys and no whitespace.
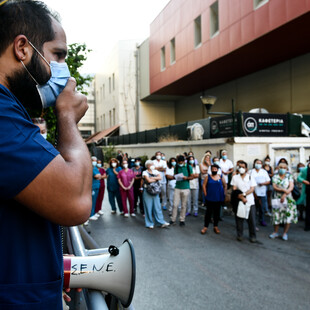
{"x":22,"y":49}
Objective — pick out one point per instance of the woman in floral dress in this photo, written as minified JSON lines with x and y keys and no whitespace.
{"x":285,"y":212}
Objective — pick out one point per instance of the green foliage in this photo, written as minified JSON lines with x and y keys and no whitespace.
{"x":144,"y":158}
{"x":77,"y":55}
{"x":109,"y":152}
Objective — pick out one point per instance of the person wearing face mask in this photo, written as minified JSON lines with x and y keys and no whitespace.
{"x":41,"y":123}
{"x":304,"y":178}
{"x":126,"y":178}
{"x":53,"y":186}
{"x":299,"y":185}
{"x":214,"y":187}
{"x":226,"y":165}
{"x":267,"y":166}
{"x":152,"y":205}
{"x":216,"y":161}
{"x":204,"y":168}
{"x":190,"y":153}
{"x":95,"y":189}
{"x":243,"y":188}
{"x":284,"y":209}
{"x":98,"y":208}
{"x":171,"y":182}
{"x":161,"y":166}
{"x":284,"y":161}
{"x":113,"y":186}
{"x":194,"y":188}
{"x":137,"y":188}
{"x":182,"y":189}
{"x":262,"y":180}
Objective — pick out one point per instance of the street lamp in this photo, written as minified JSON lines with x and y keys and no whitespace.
{"x":208,"y":101}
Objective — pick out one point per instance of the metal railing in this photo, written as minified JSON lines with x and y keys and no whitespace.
{"x":76,"y":239}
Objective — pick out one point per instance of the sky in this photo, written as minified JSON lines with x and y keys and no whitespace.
{"x":102,"y":23}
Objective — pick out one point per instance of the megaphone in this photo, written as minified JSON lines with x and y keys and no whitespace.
{"x":114,"y":273}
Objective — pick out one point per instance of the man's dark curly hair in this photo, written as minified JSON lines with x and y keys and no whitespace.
{"x":28,"y":17}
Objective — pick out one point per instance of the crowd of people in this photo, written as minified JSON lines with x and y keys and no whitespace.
{"x":178,"y":185}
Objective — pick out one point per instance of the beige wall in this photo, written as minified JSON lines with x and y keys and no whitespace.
{"x":301,"y":84}
{"x":116,"y":105}
{"x":144,"y":69}
{"x":156,"y":114}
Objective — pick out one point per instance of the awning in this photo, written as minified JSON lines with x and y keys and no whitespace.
{"x":101,"y":134}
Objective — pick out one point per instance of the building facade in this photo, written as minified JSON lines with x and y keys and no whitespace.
{"x":87,"y":124}
{"x":115,"y":89}
{"x":256,"y":52}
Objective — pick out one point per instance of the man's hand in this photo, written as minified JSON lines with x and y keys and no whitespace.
{"x":71,"y":104}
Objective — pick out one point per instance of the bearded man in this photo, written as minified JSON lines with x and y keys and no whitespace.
{"x":40,"y":187}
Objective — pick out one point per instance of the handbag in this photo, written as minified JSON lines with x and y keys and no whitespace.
{"x":153,"y":188}
{"x":277,"y":204}
{"x":296,"y":192}
{"x":243,"y":210}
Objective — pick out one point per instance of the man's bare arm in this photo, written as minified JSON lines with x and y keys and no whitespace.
{"x":61,"y":193}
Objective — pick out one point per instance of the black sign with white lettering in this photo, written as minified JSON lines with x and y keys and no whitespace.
{"x":221,"y":127}
{"x":262,"y":125}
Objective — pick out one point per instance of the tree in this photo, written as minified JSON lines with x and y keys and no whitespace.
{"x":77,"y":55}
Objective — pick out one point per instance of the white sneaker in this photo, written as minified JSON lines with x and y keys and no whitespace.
{"x":97,"y":215}
{"x":93,"y":218}
{"x":133,"y":215}
{"x":126,"y":215}
{"x":121,"y":213}
{"x":113,"y":212}
{"x":285,"y":237}
{"x":100,"y":212}
{"x":274,"y":235}
{"x":165,"y":225}
{"x":150,"y":227}
{"x":86,"y":223}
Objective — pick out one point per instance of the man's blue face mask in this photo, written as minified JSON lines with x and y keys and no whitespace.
{"x":55,"y":85}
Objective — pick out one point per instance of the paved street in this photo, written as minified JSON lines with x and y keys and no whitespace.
{"x":178,"y":268}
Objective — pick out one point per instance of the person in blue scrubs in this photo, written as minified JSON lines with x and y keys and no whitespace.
{"x":41,"y":187}
{"x":113,"y":186}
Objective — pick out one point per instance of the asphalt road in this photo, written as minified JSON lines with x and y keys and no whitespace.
{"x":178,"y":268}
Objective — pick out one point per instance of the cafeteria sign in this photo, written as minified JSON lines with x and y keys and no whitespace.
{"x":222,"y":126}
{"x":261,"y":124}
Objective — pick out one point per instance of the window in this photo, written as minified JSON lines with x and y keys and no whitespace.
{"x":114,"y":117}
{"x":110,"y":85}
{"x":163,"y":58}
{"x":110,"y":118}
{"x":113,"y":81}
{"x":259,"y":3}
{"x":214,"y":19}
{"x":103,"y":121}
{"x":172,"y":51}
{"x":103,"y":91}
{"x":197,"y":31}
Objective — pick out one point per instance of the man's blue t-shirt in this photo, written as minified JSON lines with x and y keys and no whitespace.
{"x":31,"y":253}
